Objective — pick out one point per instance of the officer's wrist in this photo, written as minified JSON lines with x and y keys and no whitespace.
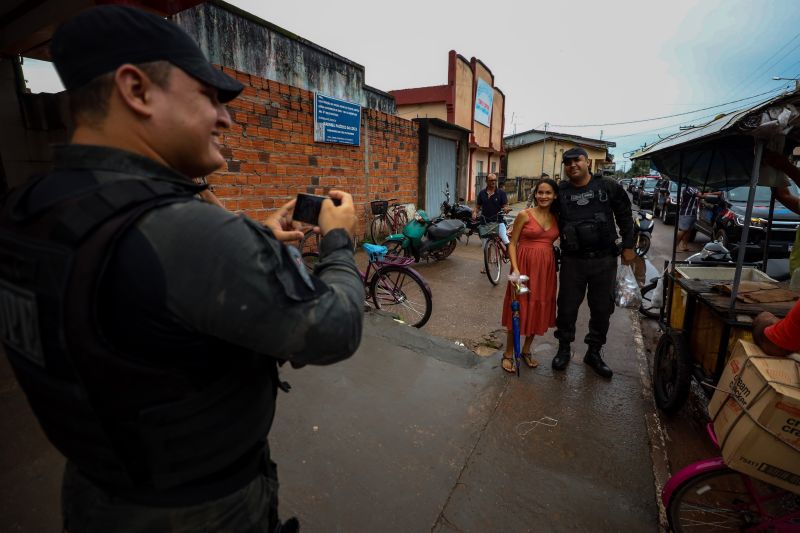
{"x":335,"y":239}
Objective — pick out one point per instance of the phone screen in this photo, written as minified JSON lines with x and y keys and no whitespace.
{"x":307,"y":208}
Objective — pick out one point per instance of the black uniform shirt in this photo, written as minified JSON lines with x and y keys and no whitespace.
{"x":580,"y":203}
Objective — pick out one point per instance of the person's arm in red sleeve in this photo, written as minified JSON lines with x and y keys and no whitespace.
{"x":778,"y":337}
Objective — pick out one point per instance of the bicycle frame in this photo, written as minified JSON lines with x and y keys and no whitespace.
{"x":687,"y":473}
{"x":375,"y":265}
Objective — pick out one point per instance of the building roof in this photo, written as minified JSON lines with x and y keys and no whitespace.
{"x":526,"y":138}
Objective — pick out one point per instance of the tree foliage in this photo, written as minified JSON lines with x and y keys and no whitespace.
{"x":640,"y":167}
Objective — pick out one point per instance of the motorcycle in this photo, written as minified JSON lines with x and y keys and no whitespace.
{"x":458,"y":211}
{"x":642,"y":232}
{"x":423,"y":238}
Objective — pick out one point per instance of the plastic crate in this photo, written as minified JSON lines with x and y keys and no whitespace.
{"x":379,"y":207}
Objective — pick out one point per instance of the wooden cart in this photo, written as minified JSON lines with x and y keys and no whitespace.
{"x":700,"y":332}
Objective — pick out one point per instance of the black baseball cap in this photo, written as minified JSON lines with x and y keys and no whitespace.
{"x":102,"y":38}
{"x":574,"y":153}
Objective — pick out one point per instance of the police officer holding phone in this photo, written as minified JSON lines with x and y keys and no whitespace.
{"x":592,"y":207}
{"x":151,"y":324}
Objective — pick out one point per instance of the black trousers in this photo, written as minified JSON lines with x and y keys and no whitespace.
{"x":592,"y":277}
{"x":87,"y":508}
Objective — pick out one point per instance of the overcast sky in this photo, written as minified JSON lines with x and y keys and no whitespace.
{"x":565,"y":63}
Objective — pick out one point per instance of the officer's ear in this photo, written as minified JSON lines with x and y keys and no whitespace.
{"x":135,"y":89}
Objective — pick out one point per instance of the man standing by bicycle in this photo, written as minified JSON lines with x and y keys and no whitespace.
{"x":589,"y":208}
{"x":492,"y":204}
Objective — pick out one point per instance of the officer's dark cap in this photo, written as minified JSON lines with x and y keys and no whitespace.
{"x":574,"y":153}
{"x":99,"y":40}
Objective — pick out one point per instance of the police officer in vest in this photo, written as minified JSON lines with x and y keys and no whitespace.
{"x":144,"y":325}
{"x":590,"y":206}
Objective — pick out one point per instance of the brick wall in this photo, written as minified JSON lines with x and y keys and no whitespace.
{"x":272,"y":156}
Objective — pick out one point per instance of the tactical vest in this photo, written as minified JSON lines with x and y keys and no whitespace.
{"x":586,"y":218}
{"x":51,"y":263}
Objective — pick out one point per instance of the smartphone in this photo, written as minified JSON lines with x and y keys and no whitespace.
{"x":308,"y":206}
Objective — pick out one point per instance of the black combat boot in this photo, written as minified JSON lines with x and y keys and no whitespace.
{"x":563,"y":354}
{"x":595,"y":360}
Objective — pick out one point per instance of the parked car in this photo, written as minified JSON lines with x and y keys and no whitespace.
{"x":660,"y":196}
{"x":625,"y":182}
{"x":723,"y":221}
{"x":634,"y":183}
{"x":669,"y":210}
{"x":646,"y":192}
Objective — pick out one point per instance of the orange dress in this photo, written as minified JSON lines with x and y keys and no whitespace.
{"x":535,"y":259}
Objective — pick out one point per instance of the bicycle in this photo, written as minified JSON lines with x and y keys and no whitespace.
{"x":710,"y":496}
{"x":495,"y":251}
{"x":392,"y":285}
{"x":386,"y":222}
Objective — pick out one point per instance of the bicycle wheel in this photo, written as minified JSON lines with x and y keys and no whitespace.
{"x":647,"y":308}
{"x":310,"y":260}
{"x":309,"y":242}
{"x":397,"y":290}
{"x":492,"y":260}
{"x":379,"y":229}
{"x":720,"y":500}
{"x":400,"y":221}
{"x":642,"y":244}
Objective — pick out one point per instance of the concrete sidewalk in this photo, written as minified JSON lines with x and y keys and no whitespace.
{"x":397,"y":440}
{"x":415,"y":433}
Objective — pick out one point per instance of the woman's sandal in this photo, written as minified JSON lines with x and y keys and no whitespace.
{"x":529,"y":360}
{"x":510,"y":368}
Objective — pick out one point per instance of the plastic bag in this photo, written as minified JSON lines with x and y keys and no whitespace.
{"x":626,"y":292}
{"x":658,"y":294}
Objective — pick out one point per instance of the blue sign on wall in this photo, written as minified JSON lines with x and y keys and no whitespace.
{"x":484,"y":94}
{"x":336,"y":121}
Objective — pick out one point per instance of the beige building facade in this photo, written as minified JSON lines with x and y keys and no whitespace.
{"x":471,"y":103}
{"x":532,"y":152}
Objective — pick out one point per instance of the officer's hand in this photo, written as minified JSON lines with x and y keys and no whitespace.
{"x":628,"y":256}
{"x":343,"y":216}
{"x":280,"y":222}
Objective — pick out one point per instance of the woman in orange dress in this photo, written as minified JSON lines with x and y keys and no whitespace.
{"x":531,"y":254}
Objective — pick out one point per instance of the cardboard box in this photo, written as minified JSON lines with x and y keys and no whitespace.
{"x":756,"y":416}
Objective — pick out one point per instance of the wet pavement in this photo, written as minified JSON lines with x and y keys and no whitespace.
{"x":418,"y":433}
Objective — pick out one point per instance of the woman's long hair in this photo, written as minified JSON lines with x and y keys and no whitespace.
{"x":555,"y":207}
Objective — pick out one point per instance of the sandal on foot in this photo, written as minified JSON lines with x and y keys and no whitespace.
{"x":529,"y":360}
{"x":510,"y":368}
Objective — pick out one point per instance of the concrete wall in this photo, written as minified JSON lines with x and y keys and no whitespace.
{"x":498,"y":108}
{"x":271,"y":154}
{"x":464,"y":93}
{"x":31,"y":123}
{"x":243,"y":42}
{"x":434,"y":110}
{"x":527,"y":161}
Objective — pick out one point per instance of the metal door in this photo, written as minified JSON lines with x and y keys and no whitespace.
{"x":441,"y":172}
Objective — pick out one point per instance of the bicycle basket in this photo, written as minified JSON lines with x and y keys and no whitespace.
{"x":488,"y":230}
{"x":379,"y":207}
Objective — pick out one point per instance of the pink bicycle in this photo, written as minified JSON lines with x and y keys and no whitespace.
{"x":709,"y":496}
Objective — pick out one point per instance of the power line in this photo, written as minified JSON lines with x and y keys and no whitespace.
{"x":756,"y":74}
{"x":665,"y":116}
{"x":677,"y":124}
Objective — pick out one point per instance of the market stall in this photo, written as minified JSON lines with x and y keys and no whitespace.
{"x":707,"y":308}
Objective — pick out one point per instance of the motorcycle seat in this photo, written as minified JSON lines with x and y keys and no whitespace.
{"x":445,"y":228}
